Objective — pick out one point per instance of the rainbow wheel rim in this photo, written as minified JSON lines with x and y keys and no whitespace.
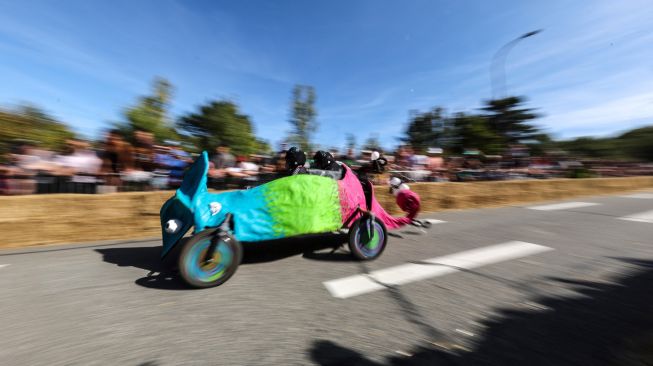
{"x":373,"y":246}
{"x":223,"y":258}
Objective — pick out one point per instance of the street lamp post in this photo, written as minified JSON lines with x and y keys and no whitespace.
{"x":498,"y":69}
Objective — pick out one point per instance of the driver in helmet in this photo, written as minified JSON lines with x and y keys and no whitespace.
{"x":295,"y":161}
{"x":325,"y":164}
{"x":407,"y":200}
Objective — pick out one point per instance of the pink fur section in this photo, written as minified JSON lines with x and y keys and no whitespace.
{"x":352,"y":196}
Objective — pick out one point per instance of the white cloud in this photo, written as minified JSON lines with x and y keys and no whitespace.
{"x":607,"y":117}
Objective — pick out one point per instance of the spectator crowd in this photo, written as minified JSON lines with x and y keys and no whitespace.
{"x":116,"y":165}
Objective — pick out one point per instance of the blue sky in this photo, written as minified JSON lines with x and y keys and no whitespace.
{"x":371,"y":61}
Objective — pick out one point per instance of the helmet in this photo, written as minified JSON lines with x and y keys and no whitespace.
{"x":323,"y":160}
{"x":396,"y":185}
{"x":394,"y":182}
{"x":294,"y":158}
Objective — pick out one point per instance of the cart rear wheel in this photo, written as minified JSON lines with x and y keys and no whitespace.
{"x":198,"y":272}
{"x":367,"y":238}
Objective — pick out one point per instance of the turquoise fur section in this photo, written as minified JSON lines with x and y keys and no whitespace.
{"x":252,"y":221}
{"x":193,"y":187}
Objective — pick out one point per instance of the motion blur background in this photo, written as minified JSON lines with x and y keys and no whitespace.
{"x":104,"y":97}
{"x":101,"y":97}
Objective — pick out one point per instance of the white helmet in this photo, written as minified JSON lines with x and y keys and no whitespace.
{"x":396,"y":185}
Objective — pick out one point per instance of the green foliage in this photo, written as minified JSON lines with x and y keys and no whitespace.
{"x":590,"y":147}
{"x":426,"y":130}
{"x":540,"y":144}
{"x":638,"y":143}
{"x":263,"y":147}
{"x":303,"y":117}
{"x":151,"y":113}
{"x":372,"y":143}
{"x":351,"y":141}
{"x":504,"y":122}
{"x":507,"y":119}
{"x":220,"y":123}
{"x":580,"y":172}
{"x":473,"y":131}
{"x":31,"y":124}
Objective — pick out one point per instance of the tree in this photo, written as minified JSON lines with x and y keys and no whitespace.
{"x":372,"y":143}
{"x":351,"y":141}
{"x":508,"y":120}
{"x":29,"y":123}
{"x":263,"y":147}
{"x":151,"y":113}
{"x":637,"y":143}
{"x":473,"y":132}
{"x":303,"y":117}
{"x":220,"y":123}
{"x":540,"y":144}
{"x":590,"y":147}
{"x":426,"y":130}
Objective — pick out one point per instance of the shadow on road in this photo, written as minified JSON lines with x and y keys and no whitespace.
{"x":268,"y":251}
{"x":161,"y":275}
{"x":603,"y":324}
{"x":147,"y":258}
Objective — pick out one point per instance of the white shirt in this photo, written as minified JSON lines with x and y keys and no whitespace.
{"x":83,"y":161}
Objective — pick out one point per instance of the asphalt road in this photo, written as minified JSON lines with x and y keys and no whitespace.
{"x":583,"y":300}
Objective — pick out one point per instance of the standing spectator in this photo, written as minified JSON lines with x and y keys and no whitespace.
{"x":280,"y":161}
{"x":221,"y":161}
{"x":144,"y":151}
{"x":172,"y":162}
{"x":14,"y":179}
{"x":40,"y":164}
{"x":80,"y":159}
{"x":78,"y":168}
{"x":405,"y":156}
{"x":265,"y":163}
{"x":248,"y":167}
{"x":163,"y":161}
{"x":435,"y":160}
{"x":435,"y":163}
{"x":117,"y":157}
{"x":349,"y":158}
{"x":31,"y":159}
{"x":139,"y":175}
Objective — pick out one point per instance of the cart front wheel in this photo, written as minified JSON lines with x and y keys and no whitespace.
{"x":199,"y":271}
{"x":367,"y":238}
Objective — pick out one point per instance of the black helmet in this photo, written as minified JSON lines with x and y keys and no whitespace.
{"x":323,"y":160}
{"x":294,"y":158}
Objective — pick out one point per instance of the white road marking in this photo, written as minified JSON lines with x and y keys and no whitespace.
{"x":535,"y":305}
{"x":562,"y":206}
{"x":434,"y":221}
{"x":405,"y":354}
{"x":462,"y":331}
{"x":640,"y":217}
{"x":398,"y":275}
{"x":645,"y":196}
{"x":3,"y":265}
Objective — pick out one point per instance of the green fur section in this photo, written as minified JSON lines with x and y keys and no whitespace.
{"x":303,"y":204}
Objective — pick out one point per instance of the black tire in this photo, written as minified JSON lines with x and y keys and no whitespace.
{"x":229,"y":253}
{"x":367,"y":247}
